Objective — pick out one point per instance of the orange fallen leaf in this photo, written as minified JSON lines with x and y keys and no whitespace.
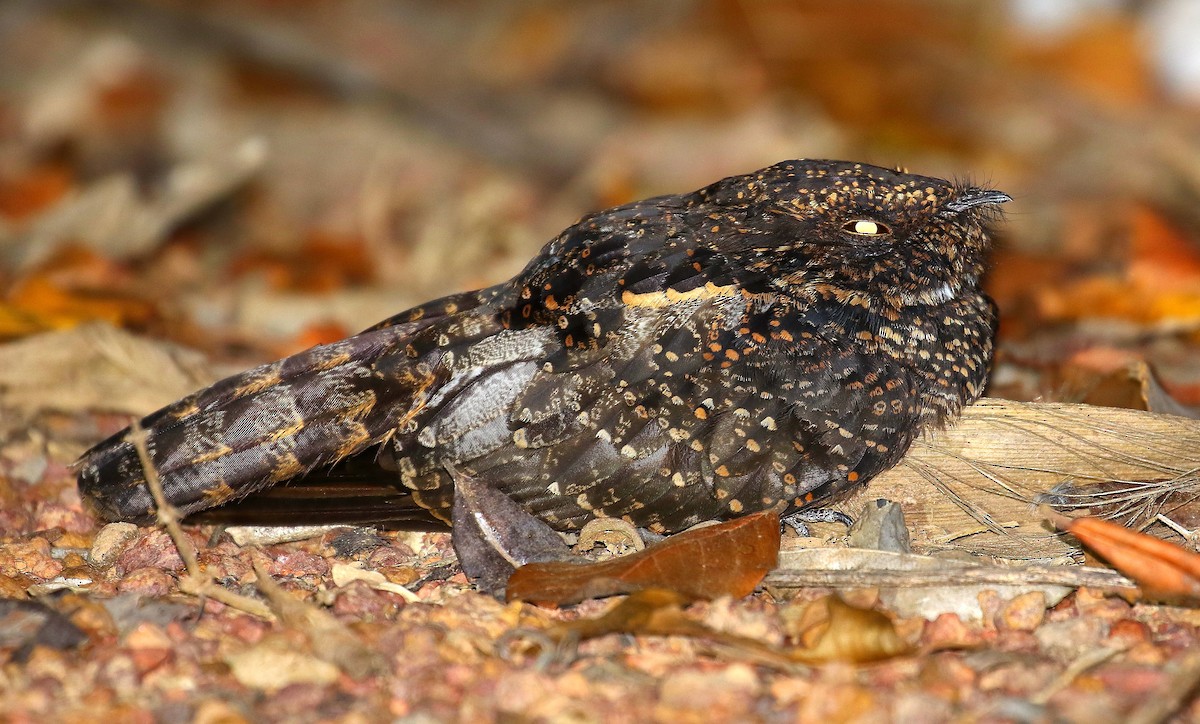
{"x":312,"y":335}
{"x":660,"y":612}
{"x":38,"y":188}
{"x":1163,"y":570}
{"x":1163,"y":257}
{"x":1102,"y":59}
{"x":45,"y":305}
{"x":1161,"y":282}
{"x":726,"y":559}
{"x":323,"y":263}
{"x":16,"y":322}
{"x":653,"y":612}
{"x":73,"y":286}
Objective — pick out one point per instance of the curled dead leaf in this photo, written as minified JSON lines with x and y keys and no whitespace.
{"x":1163,"y":570}
{"x":830,"y":629}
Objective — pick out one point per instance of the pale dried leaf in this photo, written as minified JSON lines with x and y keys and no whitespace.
{"x":271,"y":666}
{"x":97,"y":367}
{"x":111,"y":216}
{"x":266,"y":535}
{"x":344,"y":574}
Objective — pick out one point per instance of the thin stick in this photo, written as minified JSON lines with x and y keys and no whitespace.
{"x":1181,"y":687}
{"x":1188,"y":535}
{"x":195,"y":581}
{"x":966,"y":533}
{"x":1089,"y":660}
{"x":1074,"y":576}
{"x":166,"y":514}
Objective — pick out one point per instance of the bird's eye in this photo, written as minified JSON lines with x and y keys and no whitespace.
{"x":866,"y":227}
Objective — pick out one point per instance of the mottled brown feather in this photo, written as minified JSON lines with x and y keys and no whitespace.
{"x":669,"y":361}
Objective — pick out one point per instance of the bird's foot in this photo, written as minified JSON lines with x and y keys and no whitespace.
{"x":798,"y":520}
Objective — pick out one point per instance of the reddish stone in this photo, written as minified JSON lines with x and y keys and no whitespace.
{"x":1023,"y":613}
{"x":1128,"y":632}
{"x":29,"y":558}
{"x":148,"y":582}
{"x":155,"y":549}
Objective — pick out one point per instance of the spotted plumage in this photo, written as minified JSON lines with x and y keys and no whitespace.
{"x":768,"y":341}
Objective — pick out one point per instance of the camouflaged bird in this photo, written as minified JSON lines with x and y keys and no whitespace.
{"x":768,"y":341}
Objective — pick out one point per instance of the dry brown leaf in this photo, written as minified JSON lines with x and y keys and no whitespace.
{"x":324,"y":263}
{"x":1116,"y":377}
{"x":318,"y":332}
{"x":718,"y":560}
{"x":1100,"y":375}
{"x":45,"y":305}
{"x":1159,"y":288}
{"x":16,"y":322}
{"x":111,"y":216}
{"x":652,"y":611}
{"x":1103,"y":59}
{"x":1164,"y":256}
{"x":73,"y":285}
{"x":660,"y":612}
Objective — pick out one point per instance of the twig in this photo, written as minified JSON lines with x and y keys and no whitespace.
{"x":195,"y":581}
{"x":331,"y":640}
{"x":167,"y":516}
{"x":968,"y":532}
{"x":1089,"y":660}
{"x":1187,"y":535}
{"x":1185,"y":677}
{"x":967,"y":575}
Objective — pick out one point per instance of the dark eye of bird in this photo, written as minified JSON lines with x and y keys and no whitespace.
{"x":866,"y":227}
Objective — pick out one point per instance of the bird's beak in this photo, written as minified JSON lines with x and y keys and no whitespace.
{"x":971,"y":198}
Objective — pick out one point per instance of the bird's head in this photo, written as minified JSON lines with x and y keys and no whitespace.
{"x":903,"y":238}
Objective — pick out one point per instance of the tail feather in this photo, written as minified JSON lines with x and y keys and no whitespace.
{"x":266,"y":425}
{"x":356,"y":491}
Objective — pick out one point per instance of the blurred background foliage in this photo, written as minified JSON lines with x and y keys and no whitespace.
{"x":251,"y":177}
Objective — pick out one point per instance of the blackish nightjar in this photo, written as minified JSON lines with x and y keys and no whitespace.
{"x":768,"y":341}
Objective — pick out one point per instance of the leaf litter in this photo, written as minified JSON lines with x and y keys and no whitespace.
{"x":418,"y":191}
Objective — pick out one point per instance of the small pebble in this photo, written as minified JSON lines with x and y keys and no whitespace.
{"x":1023,"y":613}
{"x":109,"y":543}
